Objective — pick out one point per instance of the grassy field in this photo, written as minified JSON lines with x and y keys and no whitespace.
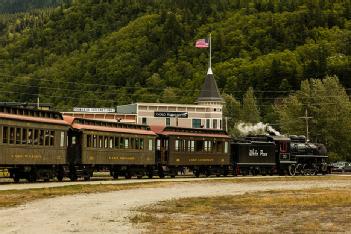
{"x":301,"y":211}
{"x":17,"y":197}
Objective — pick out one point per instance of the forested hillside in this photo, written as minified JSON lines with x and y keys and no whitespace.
{"x":110,"y":52}
{"x":15,"y":6}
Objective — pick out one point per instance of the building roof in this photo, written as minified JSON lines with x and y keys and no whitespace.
{"x":209,"y":91}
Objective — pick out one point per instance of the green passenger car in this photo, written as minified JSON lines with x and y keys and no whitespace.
{"x":123,"y":149}
{"x":32,"y":143}
{"x":203,"y":151}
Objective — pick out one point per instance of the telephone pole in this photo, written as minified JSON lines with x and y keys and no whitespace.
{"x":306,"y":118}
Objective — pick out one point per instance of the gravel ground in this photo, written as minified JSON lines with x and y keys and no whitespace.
{"x":109,"y":212}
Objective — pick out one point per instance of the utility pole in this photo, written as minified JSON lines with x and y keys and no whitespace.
{"x":306,"y":118}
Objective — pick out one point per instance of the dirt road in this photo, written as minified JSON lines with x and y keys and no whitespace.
{"x":109,"y":212}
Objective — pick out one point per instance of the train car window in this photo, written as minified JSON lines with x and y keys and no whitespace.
{"x":205,"y":146}
{"x":111,"y":142}
{"x":214,"y":146}
{"x":41,"y":137}
{"x":207,"y":123}
{"x":116,"y":142}
{"x":88,"y":141}
{"x":158,"y":144}
{"x":199,"y":146}
{"x":24,"y":136}
{"x":94,"y":141}
{"x":150,"y":144}
{"x":62,"y":139}
{"x":30,"y":136}
{"x":121,"y":143}
{"x":126,"y":143}
{"x":12,"y":135}
{"x":209,"y":146}
{"x":141,"y":145}
{"x":166,"y":144}
{"x":226,"y":147}
{"x":136,"y":143}
{"x":52,"y":138}
{"x":184,"y":145}
{"x":36,"y":137}
{"x":100,"y":141}
{"x":5,"y":135}
{"x":105,"y":142}
{"x":18,"y":135}
{"x":219,"y":146}
{"x":176,"y":145}
{"x":47,"y":138}
{"x":192,"y":146}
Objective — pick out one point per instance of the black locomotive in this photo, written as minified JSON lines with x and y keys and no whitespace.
{"x":278,"y":155}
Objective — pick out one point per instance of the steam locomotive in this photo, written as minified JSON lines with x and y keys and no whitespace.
{"x":38,"y":144}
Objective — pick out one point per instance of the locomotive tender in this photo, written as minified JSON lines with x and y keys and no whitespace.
{"x":37,"y":144}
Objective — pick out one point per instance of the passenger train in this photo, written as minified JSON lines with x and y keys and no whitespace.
{"x":39,"y":144}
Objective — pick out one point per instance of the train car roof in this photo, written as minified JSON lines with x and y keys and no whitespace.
{"x":106,"y":126}
{"x":179,"y":131}
{"x":34,"y":119}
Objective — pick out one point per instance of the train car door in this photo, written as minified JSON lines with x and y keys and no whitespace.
{"x":75,"y":139}
{"x":162,"y":150}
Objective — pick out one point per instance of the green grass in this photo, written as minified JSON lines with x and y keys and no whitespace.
{"x":301,"y":211}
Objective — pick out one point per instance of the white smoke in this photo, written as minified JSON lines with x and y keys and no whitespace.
{"x":256,"y":129}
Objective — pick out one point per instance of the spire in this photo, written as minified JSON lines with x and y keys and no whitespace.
{"x":209,"y":91}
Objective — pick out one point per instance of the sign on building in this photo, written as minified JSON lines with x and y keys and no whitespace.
{"x":171,"y":114}
{"x":94,"y":110}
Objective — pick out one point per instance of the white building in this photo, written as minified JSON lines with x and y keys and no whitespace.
{"x":206,"y":114}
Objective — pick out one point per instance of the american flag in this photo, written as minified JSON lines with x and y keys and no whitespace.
{"x":201,"y":43}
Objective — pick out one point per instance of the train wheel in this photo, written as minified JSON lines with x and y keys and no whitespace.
{"x":16,"y":178}
{"x":197,"y":173}
{"x":292,"y":169}
{"x":86,"y":178}
{"x":32,"y":177}
{"x":59,"y":178}
{"x":128,"y":175}
{"x":139,"y":176}
{"x":161,"y":175}
{"x":150,"y":174}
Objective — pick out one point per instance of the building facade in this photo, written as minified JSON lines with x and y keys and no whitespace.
{"x":178,"y":115}
{"x":206,"y":113}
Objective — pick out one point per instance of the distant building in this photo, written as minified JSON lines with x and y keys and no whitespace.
{"x":206,"y":113}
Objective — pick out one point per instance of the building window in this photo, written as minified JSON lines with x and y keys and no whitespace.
{"x":144,"y":120}
{"x":215,"y":124}
{"x":196,"y":123}
{"x":207,"y":123}
{"x":168,"y":122}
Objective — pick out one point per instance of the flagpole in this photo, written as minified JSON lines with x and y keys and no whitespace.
{"x":210,"y":52}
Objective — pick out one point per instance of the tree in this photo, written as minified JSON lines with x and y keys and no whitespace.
{"x":327,"y":102}
{"x":231,"y":113}
{"x":250,"y":112}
